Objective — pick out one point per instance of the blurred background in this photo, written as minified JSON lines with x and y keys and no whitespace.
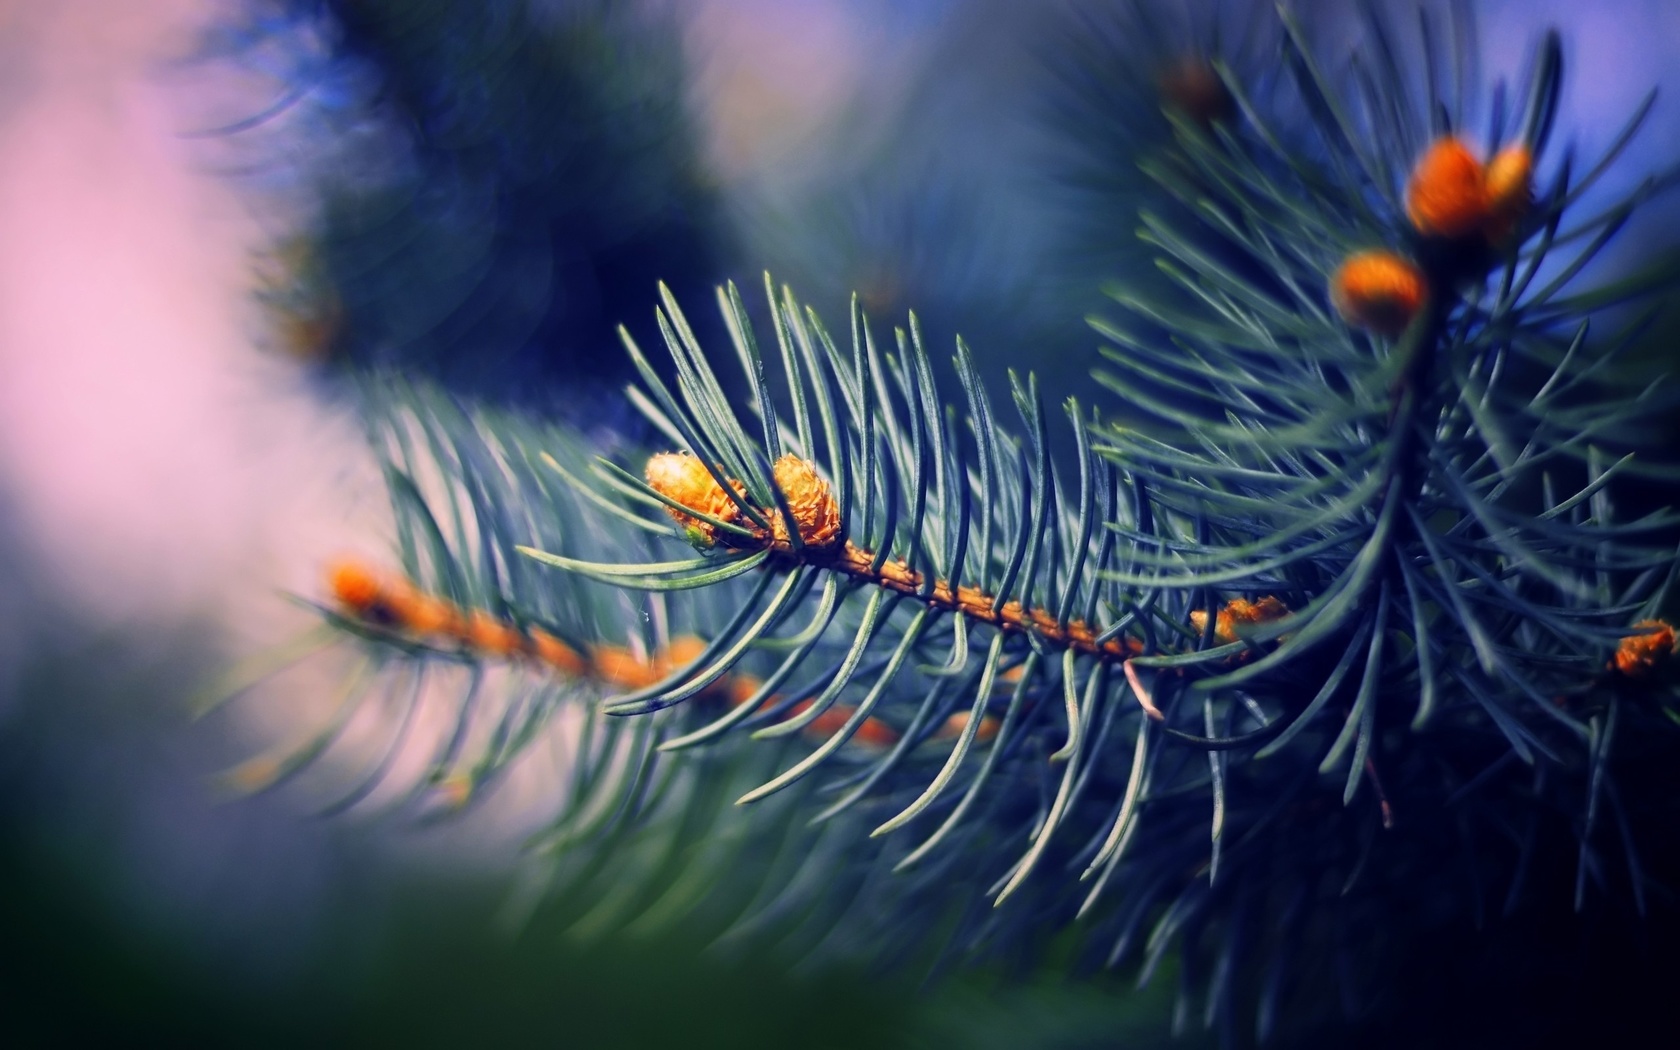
{"x":212,"y":210}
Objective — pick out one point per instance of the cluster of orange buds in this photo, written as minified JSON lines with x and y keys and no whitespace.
{"x":1378,"y":291}
{"x":1642,"y":653}
{"x":1239,"y":613}
{"x":397,"y":605}
{"x":1452,"y":195}
{"x":684,"y":479}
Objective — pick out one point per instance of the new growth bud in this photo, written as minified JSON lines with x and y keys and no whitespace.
{"x":682,"y":478}
{"x":1379,"y":291}
{"x":1510,"y":191}
{"x":1447,"y":194}
{"x":1237,"y":613}
{"x":815,"y":513}
{"x":354,"y":585}
{"x":1451,"y":195}
{"x":1640,"y":654}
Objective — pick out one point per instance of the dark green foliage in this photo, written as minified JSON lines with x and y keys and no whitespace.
{"x":1123,"y":73}
{"x":494,"y":181}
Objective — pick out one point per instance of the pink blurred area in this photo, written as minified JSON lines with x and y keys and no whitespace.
{"x":774,"y":79}
{"x":158,"y":464}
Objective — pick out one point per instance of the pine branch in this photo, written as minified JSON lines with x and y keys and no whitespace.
{"x":1368,"y":543}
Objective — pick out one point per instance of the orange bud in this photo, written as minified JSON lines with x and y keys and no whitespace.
{"x":1239,"y":612}
{"x":1640,"y":654}
{"x":1510,"y":191}
{"x":556,"y":653}
{"x":619,"y":666}
{"x":872,"y":732}
{"x":875,"y":733}
{"x":742,"y":687}
{"x":985,"y":733}
{"x":486,"y":634}
{"x":681,"y":651}
{"x":1378,"y":290}
{"x":815,"y":513}
{"x":422,"y":613}
{"x":683,"y":478}
{"x":356,"y":587}
{"x":1005,"y":682}
{"x":1246,"y":612}
{"x":1447,"y":194}
{"x":1198,"y":621}
{"x":829,"y":722}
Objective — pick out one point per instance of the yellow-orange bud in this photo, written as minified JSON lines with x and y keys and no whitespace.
{"x":621,"y":667}
{"x":1379,"y":291}
{"x":682,"y":651}
{"x":1239,"y":612}
{"x":1447,"y":194}
{"x":486,"y":634}
{"x":422,"y":613}
{"x":875,"y":733}
{"x":356,"y":587}
{"x":985,"y":733}
{"x":1452,"y":194}
{"x":556,"y":653}
{"x":1640,"y":654}
{"x":1510,"y":191}
{"x":742,"y":687}
{"x":871,"y":732}
{"x":815,"y":512}
{"x":683,"y":478}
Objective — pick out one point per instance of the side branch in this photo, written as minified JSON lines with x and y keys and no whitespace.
{"x":1011,"y":615}
{"x":396,"y":610}
{"x":815,"y":537}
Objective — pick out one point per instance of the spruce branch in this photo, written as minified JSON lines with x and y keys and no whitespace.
{"x":1367,"y":542}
